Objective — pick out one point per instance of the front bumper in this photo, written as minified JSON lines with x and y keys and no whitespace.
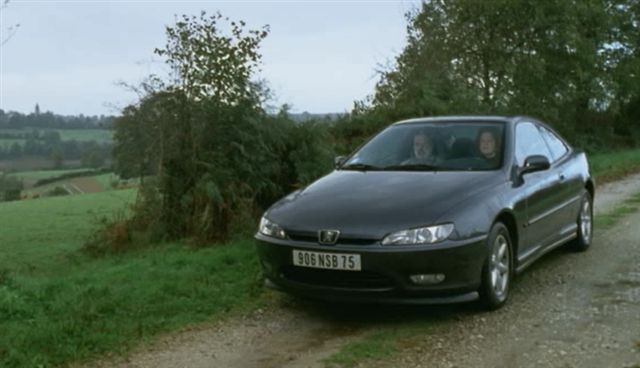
{"x":385,"y":274}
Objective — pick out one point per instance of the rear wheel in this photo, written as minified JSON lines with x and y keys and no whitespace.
{"x":498,"y":269}
{"x":585,"y":224}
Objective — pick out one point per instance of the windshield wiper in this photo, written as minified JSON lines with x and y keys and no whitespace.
{"x":413,"y":167}
{"x":363,"y":167}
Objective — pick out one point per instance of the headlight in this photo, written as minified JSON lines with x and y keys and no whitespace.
{"x":269,"y":228}
{"x":423,"y":235}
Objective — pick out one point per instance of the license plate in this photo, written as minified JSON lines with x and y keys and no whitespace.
{"x":329,"y":261}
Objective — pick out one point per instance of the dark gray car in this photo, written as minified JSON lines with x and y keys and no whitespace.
{"x":431,"y":210}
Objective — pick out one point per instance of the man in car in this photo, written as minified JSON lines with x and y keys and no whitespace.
{"x":422,"y":152}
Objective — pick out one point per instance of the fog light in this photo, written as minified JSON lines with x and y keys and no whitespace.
{"x":266,"y":266}
{"x":427,"y":279}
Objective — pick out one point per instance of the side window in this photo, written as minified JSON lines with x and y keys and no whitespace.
{"x":557,"y":147}
{"x":529,"y":142}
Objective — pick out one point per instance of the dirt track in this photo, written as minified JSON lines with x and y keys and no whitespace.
{"x":567,"y":310}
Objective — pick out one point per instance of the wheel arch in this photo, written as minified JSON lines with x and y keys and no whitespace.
{"x":590,"y":187}
{"x":509,"y":220}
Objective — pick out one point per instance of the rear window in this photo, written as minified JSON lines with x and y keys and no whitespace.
{"x":557,"y":147}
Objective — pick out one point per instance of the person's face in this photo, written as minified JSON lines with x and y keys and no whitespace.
{"x":487,"y":145}
{"x":422,"y":146}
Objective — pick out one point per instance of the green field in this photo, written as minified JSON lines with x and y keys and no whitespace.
{"x":59,"y":305}
{"x":85,"y":135}
{"x":43,"y":174}
{"x":106,"y":180}
{"x":37,"y":234}
{"x":6,"y":143}
{"x":80,"y":135}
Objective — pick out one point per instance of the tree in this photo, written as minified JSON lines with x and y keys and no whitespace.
{"x":201,"y":130}
{"x":57,"y":158}
{"x":546,"y":59}
{"x":10,"y":188}
{"x":208,"y":64}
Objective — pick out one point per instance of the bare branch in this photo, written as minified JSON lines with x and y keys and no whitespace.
{"x":11,"y":31}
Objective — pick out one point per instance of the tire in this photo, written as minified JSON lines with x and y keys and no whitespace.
{"x":497,"y":272}
{"x":585,"y":225}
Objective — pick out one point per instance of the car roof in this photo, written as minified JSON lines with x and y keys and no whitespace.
{"x":463,"y":118}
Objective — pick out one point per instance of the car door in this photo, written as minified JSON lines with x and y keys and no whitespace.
{"x":570,"y":180}
{"x":543,"y":191}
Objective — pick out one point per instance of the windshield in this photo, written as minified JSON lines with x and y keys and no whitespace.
{"x":433,"y":146}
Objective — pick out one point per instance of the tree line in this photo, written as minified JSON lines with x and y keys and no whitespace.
{"x":90,"y":153}
{"x":212,"y":157}
{"x":49,"y":144}
{"x":49,"y":120}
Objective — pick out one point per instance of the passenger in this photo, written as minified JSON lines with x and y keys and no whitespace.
{"x":487,"y":144}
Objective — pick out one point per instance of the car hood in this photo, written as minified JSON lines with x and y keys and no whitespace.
{"x":371,"y":204}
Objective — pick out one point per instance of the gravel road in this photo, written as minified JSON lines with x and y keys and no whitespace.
{"x":567,"y":310}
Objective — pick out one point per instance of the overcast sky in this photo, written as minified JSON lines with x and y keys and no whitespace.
{"x":69,"y":56}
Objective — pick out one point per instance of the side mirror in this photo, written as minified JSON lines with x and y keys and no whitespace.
{"x":338,"y":161}
{"x":534,"y":163}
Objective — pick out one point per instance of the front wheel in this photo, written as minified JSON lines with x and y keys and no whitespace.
{"x":585,"y":224}
{"x":498,"y":269}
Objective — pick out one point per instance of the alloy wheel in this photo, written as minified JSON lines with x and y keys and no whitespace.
{"x":585,"y":222}
{"x":500,"y":271}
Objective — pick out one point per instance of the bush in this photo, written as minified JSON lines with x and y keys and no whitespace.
{"x":57,"y":191}
{"x":70,"y":175}
{"x":10,"y":188}
{"x":112,"y":235}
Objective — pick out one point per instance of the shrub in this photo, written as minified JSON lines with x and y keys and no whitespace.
{"x":57,"y":191}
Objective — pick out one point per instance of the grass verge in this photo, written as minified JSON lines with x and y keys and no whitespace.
{"x":607,"y":220}
{"x":382,"y":344}
{"x":59,"y":305}
{"x":607,"y":167}
{"x":113,"y":303}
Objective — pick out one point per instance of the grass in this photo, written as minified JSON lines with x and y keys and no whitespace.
{"x":80,"y":135}
{"x":44,"y":174}
{"x":611,"y":218}
{"x":6,"y":143}
{"x":105,"y":180}
{"x":59,"y":305}
{"x":384,"y":343}
{"x":30,"y":178}
{"x":375,"y":346}
{"x":37,"y":234}
{"x":85,"y":135}
{"x":95,"y":306}
{"x":611,"y":166}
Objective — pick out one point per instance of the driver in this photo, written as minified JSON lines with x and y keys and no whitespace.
{"x":422,"y":152}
